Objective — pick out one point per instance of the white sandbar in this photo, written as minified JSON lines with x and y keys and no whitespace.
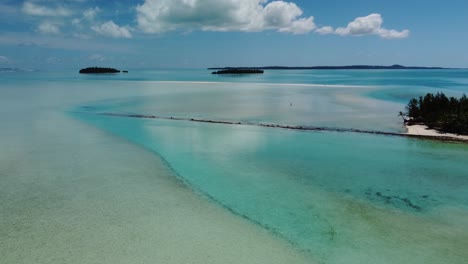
{"x":421,"y":130}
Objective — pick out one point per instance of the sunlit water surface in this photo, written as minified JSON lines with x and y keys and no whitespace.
{"x":330,"y":197}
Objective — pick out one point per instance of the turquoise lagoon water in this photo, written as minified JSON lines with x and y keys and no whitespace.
{"x":333,"y":197}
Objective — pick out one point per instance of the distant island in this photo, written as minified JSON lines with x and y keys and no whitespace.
{"x":99,"y":70}
{"x":349,"y":67}
{"x":238,"y":71}
{"x":448,"y":115}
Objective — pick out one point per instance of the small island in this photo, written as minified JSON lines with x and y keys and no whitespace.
{"x":99,"y":70}
{"x":438,"y":112}
{"x":238,"y":71}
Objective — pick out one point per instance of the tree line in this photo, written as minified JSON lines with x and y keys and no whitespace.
{"x":98,"y":70}
{"x":449,"y":115}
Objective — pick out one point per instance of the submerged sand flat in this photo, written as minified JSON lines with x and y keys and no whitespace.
{"x":73,"y":194}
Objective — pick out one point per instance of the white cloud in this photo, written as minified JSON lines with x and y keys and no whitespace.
{"x":4,"y":59}
{"x":368,"y":25}
{"x":110,"y":29}
{"x":362,"y":26}
{"x":54,"y":60}
{"x":91,"y":13}
{"x":76,"y":21}
{"x":38,"y":10}
{"x":393,"y":34}
{"x":96,"y":57}
{"x":88,"y":15}
{"x":325,"y":30}
{"x":48,"y":28}
{"x":27,"y":40}
{"x":158,"y":16}
{"x":81,"y":36}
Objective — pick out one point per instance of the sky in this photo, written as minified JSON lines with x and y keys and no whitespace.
{"x":49,"y":34}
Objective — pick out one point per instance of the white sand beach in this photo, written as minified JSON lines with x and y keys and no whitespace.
{"x":421,"y":130}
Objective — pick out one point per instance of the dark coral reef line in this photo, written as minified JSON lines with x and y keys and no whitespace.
{"x":291,"y":127}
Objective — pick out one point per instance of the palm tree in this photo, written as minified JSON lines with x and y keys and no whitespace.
{"x":402,"y":116}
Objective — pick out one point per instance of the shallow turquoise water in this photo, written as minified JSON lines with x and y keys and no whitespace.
{"x":340,"y":197}
{"x":287,"y":104}
{"x":73,"y":193}
{"x":300,"y":184}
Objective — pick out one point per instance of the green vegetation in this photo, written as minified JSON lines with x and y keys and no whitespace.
{"x":99,"y":70}
{"x":449,"y":115}
{"x":238,"y":71}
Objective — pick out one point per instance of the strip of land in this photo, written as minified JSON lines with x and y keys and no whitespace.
{"x":415,"y":132}
{"x":346,"y":67}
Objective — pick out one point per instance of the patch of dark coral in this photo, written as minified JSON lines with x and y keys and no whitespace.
{"x":396,"y":200}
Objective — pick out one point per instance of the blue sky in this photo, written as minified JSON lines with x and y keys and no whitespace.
{"x":207,"y":33}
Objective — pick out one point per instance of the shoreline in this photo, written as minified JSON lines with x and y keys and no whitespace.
{"x":424,"y":131}
{"x":340,"y":67}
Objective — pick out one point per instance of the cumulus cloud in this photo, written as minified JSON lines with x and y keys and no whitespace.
{"x":33,"y":9}
{"x":158,"y":16}
{"x":325,"y":30}
{"x":393,"y":34}
{"x":48,"y":28}
{"x":368,"y":25}
{"x":110,"y":29}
